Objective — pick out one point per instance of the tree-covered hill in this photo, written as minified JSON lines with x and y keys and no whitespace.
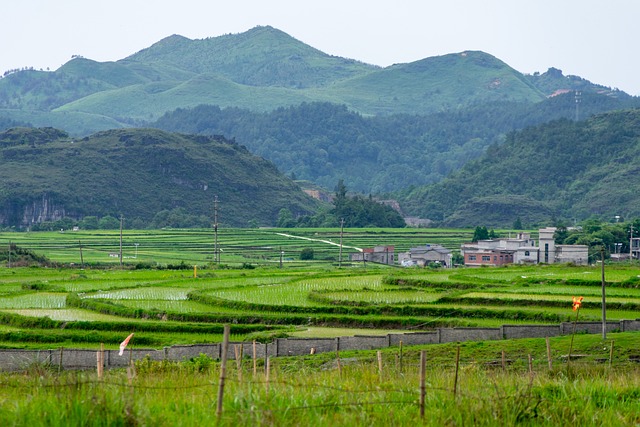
{"x":323,"y":143}
{"x":260,"y":70}
{"x":45,"y":175}
{"x":559,"y":170}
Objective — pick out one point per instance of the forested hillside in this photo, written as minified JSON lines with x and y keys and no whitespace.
{"x":260,"y":70}
{"x":316,"y":117}
{"x":324,"y":143}
{"x":143,"y":174}
{"x":559,"y":170}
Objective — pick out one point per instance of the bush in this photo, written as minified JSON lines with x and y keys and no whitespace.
{"x":306,"y":254}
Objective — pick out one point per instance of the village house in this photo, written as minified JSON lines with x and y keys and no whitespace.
{"x":522,"y":249}
{"x":422,"y":256}
{"x":378,"y":254}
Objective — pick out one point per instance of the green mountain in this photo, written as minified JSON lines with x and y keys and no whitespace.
{"x":260,"y":70}
{"x":323,"y":143}
{"x":559,"y":170}
{"x":46,"y":175}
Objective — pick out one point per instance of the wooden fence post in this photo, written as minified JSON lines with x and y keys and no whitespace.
{"x":223,"y":368}
{"x":611,"y":353}
{"x":255,"y":359}
{"x":237,"y":350}
{"x":423,"y":389}
{"x":268,"y":372}
{"x":60,"y":361}
{"x":455,"y":382}
{"x":549,"y":360}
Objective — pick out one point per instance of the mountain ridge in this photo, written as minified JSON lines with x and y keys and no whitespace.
{"x":271,"y":70}
{"x":558,"y":170}
{"x":46,"y":175}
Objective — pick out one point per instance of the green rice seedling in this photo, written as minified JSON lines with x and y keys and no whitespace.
{"x":382,"y":297}
{"x":66,"y":314}
{"x":34,"y":300}
{"x":143,"y":293}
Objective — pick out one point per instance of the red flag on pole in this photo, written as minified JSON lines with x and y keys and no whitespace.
{"x":124,"y":343}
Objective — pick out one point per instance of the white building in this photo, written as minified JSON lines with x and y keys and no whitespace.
{"x":523,"y":250}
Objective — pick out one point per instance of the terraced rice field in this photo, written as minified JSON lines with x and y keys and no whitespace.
{"x":259,"y":296}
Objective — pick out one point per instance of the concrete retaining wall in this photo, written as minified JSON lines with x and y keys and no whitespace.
{"x":529,"y":331}
{"x":13,"y":360}
{"x":469,"y":334}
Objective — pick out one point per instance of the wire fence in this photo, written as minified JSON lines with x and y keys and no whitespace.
{"x":393,"y":378}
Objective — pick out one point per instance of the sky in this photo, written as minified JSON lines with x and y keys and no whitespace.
{"x":593,"y":39}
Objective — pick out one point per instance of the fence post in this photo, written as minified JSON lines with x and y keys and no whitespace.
{"x":255,"y":359}
{"x":379,"y":354}
{"x":268,"y":372}
{"x":237,"y":350}
{"x":611,"y":353}
{"x":423,"y":389}
{"x":455,"y":382}
{"x":60,"y":361}
{"x":549,"y":360}
{"x":223,"y":368}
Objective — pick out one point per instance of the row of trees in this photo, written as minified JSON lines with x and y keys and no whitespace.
{"x":597,"y":235}
{"x":175,"y":218}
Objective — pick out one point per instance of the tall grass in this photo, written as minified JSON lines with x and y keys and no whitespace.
{"x":316,"y":390}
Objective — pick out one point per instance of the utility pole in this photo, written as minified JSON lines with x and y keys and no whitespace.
{"x":121,"y":221}
{"x":341,"y":232}
{"x":216,"y":251}
{"x":281,"y":254}
{"x":631,"y":243}
{"x":604,"y":299}
{"x":81,"y":258}
{"x":9,"y":256}
{"x":578,"y":100}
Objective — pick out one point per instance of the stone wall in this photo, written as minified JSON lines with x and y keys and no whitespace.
{"x":13,"y":360}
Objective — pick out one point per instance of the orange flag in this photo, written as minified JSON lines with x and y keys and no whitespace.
{"x":577,"y":302}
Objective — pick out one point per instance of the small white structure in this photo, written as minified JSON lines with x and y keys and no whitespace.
{"x":523,"y":250}
{"x":424,"y":255}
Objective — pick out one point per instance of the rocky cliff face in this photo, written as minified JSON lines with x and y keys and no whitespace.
{"x":29,"y":212}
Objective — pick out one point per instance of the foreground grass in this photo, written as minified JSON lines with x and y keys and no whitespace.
{"x":317,"y":390}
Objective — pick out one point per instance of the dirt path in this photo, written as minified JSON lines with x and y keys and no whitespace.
{"x":328,"y":242}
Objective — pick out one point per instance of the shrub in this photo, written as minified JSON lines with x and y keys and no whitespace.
{"x":306,"y":254}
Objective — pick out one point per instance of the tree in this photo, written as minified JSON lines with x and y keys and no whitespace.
{"x":108,"y":223}
{"x":560,"y":235}
{"x":306,"y":254}
{"x":285,"y":219}
{"x":480,"y":233}
{"x":89,"y":223}
{"x":517,"y":224}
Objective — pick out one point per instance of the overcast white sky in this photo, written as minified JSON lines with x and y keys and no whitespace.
{"x":595,"y":39}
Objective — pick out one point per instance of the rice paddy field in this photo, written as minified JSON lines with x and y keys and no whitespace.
{"x":170,"y":289}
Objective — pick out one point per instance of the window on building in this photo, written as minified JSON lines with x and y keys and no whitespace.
{"x":472,"y":257}
{"x":526,"y":253}
{"x":486,"y":258}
